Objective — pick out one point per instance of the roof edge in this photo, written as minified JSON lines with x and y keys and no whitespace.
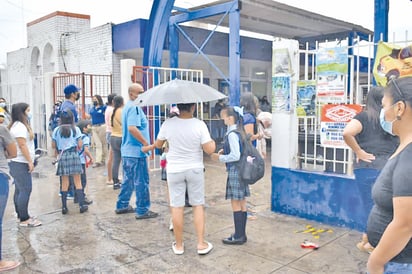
{"x":58,"y":13}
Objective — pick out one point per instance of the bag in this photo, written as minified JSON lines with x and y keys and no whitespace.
{"x":54,"y":119}
{"x":251,"y":166}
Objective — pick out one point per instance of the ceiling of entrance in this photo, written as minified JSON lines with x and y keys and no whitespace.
{"x":280,"y":20}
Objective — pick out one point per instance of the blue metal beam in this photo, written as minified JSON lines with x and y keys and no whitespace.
{"x":234,"y":58}
{"x":205,"y":12}
{"x":156,"y":32}
{"x":381,"y":20}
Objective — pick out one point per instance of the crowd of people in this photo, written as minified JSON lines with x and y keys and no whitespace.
{"x":119,"y":131}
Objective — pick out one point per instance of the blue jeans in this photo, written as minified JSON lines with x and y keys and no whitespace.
{"x":397,"y":268}
{"x":135,"y":177}
{"x":23,"y":187}
{"x":4,"y":193}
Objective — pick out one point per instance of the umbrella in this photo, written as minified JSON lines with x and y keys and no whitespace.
{"x":179,"y":92}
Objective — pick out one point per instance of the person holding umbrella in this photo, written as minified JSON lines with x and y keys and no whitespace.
{"x":188,"y":138}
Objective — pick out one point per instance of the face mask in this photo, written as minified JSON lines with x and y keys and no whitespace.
{"x":386,"y":126}
{"x":2,"y":105}
{"x":95,"y":103}
{"x":29,"y":116}
{"x":89,"y":130}
{"x":77,"y":96}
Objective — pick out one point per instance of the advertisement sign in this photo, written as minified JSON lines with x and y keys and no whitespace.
{"x":306,"y":98}
{"x":281,"y":93}
{"x":392,"y":62}
{"x":331,"y":67}
{"x":333,"y":121}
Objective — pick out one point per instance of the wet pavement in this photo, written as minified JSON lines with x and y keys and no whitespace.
{"x":99,"y":241}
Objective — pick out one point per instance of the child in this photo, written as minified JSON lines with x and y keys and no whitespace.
{"x":163,"y":165}
{"x":86,"y":157}
{"x":236,"y":191}
{"x":67,"y":141}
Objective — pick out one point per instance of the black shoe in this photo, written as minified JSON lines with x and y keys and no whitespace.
{"x":233,"y":241}
{"x":65,"y":210}
{"x":149,"y":214}
{"x":75,"y":200}
{"x":84,"y":208}
{"x":87,"y":201}
{"x":128,"y":209}
{"x":116,"y":186}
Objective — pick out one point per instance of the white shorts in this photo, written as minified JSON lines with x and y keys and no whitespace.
{"x":193,"y":180}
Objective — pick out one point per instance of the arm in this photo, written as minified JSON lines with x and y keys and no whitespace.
{"x":135,"y":132}
{"x":353,"y":128}
{"x":88,"y":154}
{"x":21,"y":142}
{"x":158,"y":144}
{"x":11,"y":150}
{"x":209,"y":147}
{"x":249,"y":129}
{"x":397,"y":234}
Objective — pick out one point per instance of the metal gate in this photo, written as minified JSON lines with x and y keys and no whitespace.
{"x":90,"y":84}
{"x":152,"y":76}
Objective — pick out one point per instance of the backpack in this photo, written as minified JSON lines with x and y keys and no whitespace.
{"x":251,"y":166}
{"x":54,"y":119}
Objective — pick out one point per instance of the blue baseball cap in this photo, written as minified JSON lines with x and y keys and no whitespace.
{"x":69,"y":89}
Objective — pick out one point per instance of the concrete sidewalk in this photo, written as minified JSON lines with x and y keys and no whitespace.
{"x":99,"y":241}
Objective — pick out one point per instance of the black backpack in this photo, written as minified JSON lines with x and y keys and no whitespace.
{"x":251,"y":166}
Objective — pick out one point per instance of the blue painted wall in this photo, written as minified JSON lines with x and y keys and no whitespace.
{"x":129,"y":35}
{"x":330,"y":199}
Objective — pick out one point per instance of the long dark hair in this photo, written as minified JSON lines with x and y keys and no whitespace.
{"x":247,"y":100}
{"x":18,"y":113}
{"x":230,"y":112}
{"x":374,"y":104}
{"x":118,"y":102}
{"x":110,"y":98}
{"x":67,"y":126}
{"x":99,"y":99}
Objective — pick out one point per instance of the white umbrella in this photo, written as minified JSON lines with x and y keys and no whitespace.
{"x":179,"y":91}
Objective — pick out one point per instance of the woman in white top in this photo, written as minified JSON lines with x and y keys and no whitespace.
{"x":22,"y":166}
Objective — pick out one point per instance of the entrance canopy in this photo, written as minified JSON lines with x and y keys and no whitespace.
{"x":279,"y":20}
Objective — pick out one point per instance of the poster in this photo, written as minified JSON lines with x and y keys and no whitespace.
{"x":306,"y":98}
{"x":333,"y":121}
{"x":331,"y":67}
{"x":281,"y":93}
{"x":392,"y":61}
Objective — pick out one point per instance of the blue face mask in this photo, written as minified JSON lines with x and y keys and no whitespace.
{"x":386,"y":126}
{"x":29,"y":116}
{"x":2,"y":105}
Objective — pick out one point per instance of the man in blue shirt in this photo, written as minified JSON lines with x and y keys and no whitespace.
{"x":135,"y":132}
{"x":72,"y":94}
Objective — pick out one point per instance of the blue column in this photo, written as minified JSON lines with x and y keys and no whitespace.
{"x":381,"y":20}
{"x":234,"y":58}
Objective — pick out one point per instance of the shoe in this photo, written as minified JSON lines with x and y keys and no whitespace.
{"x":176,"y":251}
{"x":171,"y":225}
{"x":84,"y":208}
{"x":109,"y":183}
{"x":65,"y":210}
{"x":128,"y":209}
{"x":365,"y":247}
{"x":87,"y":201}
{"x":97,"y":165}
{"x":8,"y":265}
{"x":70,"y":197}
{"x":206,"y":250}
{"x":231,"y":240}
{"x":30,"y":223}
{"x":149,"y":214}
{"x":116,"y":186}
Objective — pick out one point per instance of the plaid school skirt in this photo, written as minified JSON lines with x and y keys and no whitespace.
{"x":69,"y":163}
{"x":235,"y":190}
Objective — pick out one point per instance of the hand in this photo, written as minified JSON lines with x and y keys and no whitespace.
{"x":362,"y":155}
{"x":31,"y":167}
{"x":214,"y":156}
{"x":146,"y":149}
{"x":220,"y":152}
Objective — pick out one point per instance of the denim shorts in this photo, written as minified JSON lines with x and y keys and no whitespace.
{"x":193,"y":180}
{"x":397,"y":268}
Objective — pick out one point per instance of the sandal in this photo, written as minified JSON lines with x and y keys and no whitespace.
{"x":364,"y":245}
{"x":177,"y":251}
{"x":8,"y":265}
{"x":30,"y":223}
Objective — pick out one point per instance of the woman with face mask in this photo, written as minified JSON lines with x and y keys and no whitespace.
{"x":99,"y":130}
{"x":22,"y":166}
{"x":372,"y":147}
{"x":389,"y":226}
{"x":6,"y":113}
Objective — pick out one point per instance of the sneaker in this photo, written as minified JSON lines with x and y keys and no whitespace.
{"x":87,"y":201}
{"x":116,"y":186}
{"x":30,"y":223}
{"x":128,"y":209}
{"x":84,"y":208}
{"x":70,"y":197}
{"x":149,"y":214}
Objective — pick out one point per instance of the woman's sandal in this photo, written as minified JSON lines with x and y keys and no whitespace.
{"x":365,"y":247}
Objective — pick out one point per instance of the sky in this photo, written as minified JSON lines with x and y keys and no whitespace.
{"x":15,"y":14}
